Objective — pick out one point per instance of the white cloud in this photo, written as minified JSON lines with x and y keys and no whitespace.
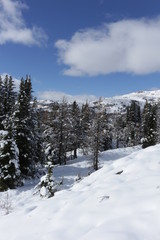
{"x":13,"y":27}
{"x":131,"y":46}
{"x":58,"y":96}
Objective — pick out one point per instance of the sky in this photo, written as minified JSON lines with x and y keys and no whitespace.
{"x":81,"y":47}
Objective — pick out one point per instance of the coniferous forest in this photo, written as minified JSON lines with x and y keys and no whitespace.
{"x":33,"y":138}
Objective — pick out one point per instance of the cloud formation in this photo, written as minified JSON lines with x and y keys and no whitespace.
{"x":13,"y":27}
{"x":131,"y":46}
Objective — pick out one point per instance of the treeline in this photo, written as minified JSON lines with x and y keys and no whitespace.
{"x":68,"y":127}
{"x":31,"y":137}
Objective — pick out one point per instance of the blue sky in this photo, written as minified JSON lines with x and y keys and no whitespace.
{"x":93,"y":47}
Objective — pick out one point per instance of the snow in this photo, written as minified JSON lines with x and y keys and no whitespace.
{"x":3,"y":133}
{"x":103,"y":205}
{"x":43,"y":191}
{"x":117,"y":103}
{"x":113,"y":104}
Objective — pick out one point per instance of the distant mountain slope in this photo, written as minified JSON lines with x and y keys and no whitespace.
{"x":118,"y":102}
{"x":113,"y":104}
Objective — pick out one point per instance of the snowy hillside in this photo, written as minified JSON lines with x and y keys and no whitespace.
{"x":103,"y":205}
{"x":113,"y":104}
{"x":143,"y":95}
{"x":118,"y":102}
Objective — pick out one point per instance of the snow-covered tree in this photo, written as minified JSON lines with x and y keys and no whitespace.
{"x":149,"y":125}
{"x":133,"y":123}
{"x":9,"y":162}
{"x":61,"y":132}
{"x":86,"y":119}
{"x":9,"y":95}
{"x":158,"y":121}
{"x":1,"y":103}
{"x":75,"y":128}
{"x":47,"y":186}
{"x":24,"y":129}
{"x":98,"y":132}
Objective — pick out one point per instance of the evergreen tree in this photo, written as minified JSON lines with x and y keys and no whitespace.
{"x":86,"y":119}
{"x":1,"y":103}
{"x":133,"y":122}
{"x":9,"y":95}
{"x":62,"y":123}
{"x":9,"y":162}
{"x":158,"y":121}
{"x":97,"y":132}
{"x":149,"y":125}
{"x":47,"y":186}
{"x":24,"y":129}
{"x":119,"y":130}
{"x":37,"y":140}
{"x":58,"y":133}
{"x":75,"y":131}
{"x":49,"y":126}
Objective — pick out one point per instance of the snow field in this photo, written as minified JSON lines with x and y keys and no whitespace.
{"x":104,"y":205}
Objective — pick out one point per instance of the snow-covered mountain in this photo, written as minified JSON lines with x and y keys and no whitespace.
{"x":117,"y":103}
{"x":119,"y":201}
{"x":113,"y":104}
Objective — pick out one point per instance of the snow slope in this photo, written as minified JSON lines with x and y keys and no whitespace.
{"x":103,"y":205}
{"x":117,"y":103}
{"x":113,"y":104}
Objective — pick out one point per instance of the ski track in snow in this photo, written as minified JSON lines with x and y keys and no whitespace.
{"x":120,"y":201}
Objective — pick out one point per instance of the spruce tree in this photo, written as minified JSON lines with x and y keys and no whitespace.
{"x":75,"y":130}
{"x":85,"y":123}
{"x":158,"y":121}
{"x":62,"y":132}
{"x":24,"y":129}
{"x":97,"y":132}
{"x":9,"y":161}
{"x":133,"y":121}
{"x":37,"y":140}
{"x":149,"y":125}
{"x":1,"y":103}
{"x":47,"y":186}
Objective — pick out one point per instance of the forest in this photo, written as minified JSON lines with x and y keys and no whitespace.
{"x":34,"y":139}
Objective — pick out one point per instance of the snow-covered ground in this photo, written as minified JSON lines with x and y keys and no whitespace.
{"x":103,"y":205}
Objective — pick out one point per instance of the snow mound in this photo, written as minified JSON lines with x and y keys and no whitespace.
{"x":118,"y":202}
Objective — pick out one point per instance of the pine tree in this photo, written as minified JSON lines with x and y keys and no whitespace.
{"x":9,"y":95}
{"x":57,"y":133}
{"x":1,"y":103}
{"x":37,"y":141}
{"x":86,"y":119}
{"x":75,"y":131}
{"x":62,"y":133}
{"x":9,"y":161}
{"x":149,"y":125}
{"x":97,"y":132}
{"x":133,"y":121}
{"x":158,"y":121}
{"x":24,"y":129}
{"x":47,"y":186}
{"x":119,"y":130}
{"x":49,"y":126}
